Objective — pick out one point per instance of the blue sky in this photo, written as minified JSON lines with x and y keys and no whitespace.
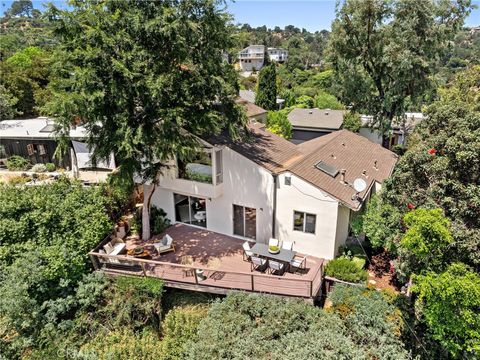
{"x":312,"y":15}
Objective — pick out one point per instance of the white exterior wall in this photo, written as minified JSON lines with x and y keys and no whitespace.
{"x":302,"y":196}
{"x":250,"y":64}
{"x":343,"y":220}
{"x":244,"y":183}
{"x":373,"y":136}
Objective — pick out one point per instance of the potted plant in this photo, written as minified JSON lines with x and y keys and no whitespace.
{"x":120,"y":229}
{"x":273,"y":249}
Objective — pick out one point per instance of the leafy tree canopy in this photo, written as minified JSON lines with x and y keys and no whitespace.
{"x":278,"y":123}
{"x":352,"y":122}
{"x":449,"y":302}
{"x":384,"y":52}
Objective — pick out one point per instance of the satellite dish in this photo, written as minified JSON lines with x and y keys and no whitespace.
{"x":359,"y":185}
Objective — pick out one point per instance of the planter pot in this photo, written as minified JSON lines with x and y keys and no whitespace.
{"x":121,"y":232}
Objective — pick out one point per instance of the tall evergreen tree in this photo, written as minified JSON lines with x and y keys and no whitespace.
{"x":385,"y":52}
{"x":266,"y":96}
{"x":146,"y":78}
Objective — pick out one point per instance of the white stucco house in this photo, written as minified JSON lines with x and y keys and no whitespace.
{"x":277,"y":54}
{"x":252,"y":58}
{"x":267,"y":187}
{"x":401,"y":128}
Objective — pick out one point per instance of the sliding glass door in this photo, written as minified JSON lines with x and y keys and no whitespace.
{"x":190,"y":210}
{"x":244,"y":221}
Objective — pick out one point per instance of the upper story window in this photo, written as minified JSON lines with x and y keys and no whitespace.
{"x":304,"y":222}
{"x":204,"y":166}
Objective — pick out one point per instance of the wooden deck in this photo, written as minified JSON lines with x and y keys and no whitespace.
{"x":221,"y":259}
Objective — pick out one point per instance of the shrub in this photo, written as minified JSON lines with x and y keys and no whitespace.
{"x":346,"y":270}
{"x":305,"y":100}
{"x":17,"y":163}
{"x":40,"y":168}
{"x":277,"y":123}
{"x":158,"y":220}
{"x":19,"y":180}
{"x":352,"y":122}
{"x":50,"y":167}
{"x":326,"y":101}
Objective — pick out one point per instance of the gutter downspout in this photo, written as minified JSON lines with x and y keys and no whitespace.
{"x":274,"y":215}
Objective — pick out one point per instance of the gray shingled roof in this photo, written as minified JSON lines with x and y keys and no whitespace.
{"x":316,"y":118}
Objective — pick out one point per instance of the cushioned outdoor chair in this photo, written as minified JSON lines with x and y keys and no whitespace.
{"x":273,"y":242}
{"x":247,"y":253}
{"x":276,"y":267}
{"x":258,"y":264}
{"x":287,"y":245}
{"x":165,"y":245}
{"x":298,"y":263}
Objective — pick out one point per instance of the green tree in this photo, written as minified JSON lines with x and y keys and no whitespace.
{"x":146,"y":79}
{"x":266,"y":96}
{"x":277,"y":123}
{"x":306,"y":101}
{"x":326,"y":101}
{"x":21,"y":8}
{"x":385,"y":52}
{"x":352,"y":122}
{"x":449,"y":304}
{"x":426,"y":238}
{"x":7,"y":104}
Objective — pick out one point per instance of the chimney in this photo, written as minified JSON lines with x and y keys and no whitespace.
{"x":342,"y":176}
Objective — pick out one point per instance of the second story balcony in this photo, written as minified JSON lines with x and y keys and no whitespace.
{"x":200,"y":174}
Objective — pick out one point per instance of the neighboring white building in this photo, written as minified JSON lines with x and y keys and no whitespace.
{"x":277,"y":54}
{"x":252,"y":58}
{"x":401,"y":128}
{"x":266,"y":187}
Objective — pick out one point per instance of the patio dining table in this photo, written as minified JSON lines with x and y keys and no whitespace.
{"x":284,"y":255}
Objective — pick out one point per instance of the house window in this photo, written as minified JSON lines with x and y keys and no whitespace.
{"x":190,"y":210}
{"x":41,"y":149}
{"x":304,"y":222}
{"x":30,"y":149}
{"x":218,"y":167}
{"x":197,"y":167}
{"x":244,"y":221}
{"x":3,"y":152}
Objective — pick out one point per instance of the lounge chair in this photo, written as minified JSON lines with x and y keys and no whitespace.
{"x":165,"y":245}
{"x":114,"y":247}
{"x":247,"y":253}
{"x":276,"y":267}
{"x":258,"y":263}
{"x":298,"y":263}
{"x":273,"y":242}
{"x":287,"y":245}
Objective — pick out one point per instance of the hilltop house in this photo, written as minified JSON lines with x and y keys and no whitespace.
{"x":252,"y":58}
{"x":267,"y":187}
{"x":277,"y":54}
{"x":309,"y":124}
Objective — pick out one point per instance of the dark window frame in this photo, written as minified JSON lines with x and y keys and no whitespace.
{"x":304,"y":216}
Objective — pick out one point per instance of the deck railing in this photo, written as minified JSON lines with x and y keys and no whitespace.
{"x":306,"y":287}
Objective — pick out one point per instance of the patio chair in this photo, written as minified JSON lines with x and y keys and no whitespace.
{"x":287,"y":245}
{"x":258,"y":263}
{"x":165,"y":245}
{"x":273,"y":242}
{"x":298,"y":263}
{"x":276,"y":267}
{"x":247,"y":253}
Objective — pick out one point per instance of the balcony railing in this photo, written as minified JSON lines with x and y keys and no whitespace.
{"x":251,"y":55}
{"x":219,"y":281}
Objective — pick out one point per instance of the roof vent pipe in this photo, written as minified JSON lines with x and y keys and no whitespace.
{"x":375,"y":164}
{"x":310,"y":112}
{"x":342,"y":176}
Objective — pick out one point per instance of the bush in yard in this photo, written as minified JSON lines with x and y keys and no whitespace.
{"x":158,"y":220}
{"x":256,"y":326}
{"x":305,"y":100}
{"x":179,"y":327}
{"x":50,"y":167}
{"x":39,"y":168}
{"x":17,"y":163}
{"x":352,"y":122}
{"x":345,"y":269}
{"x":277,"y":123}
